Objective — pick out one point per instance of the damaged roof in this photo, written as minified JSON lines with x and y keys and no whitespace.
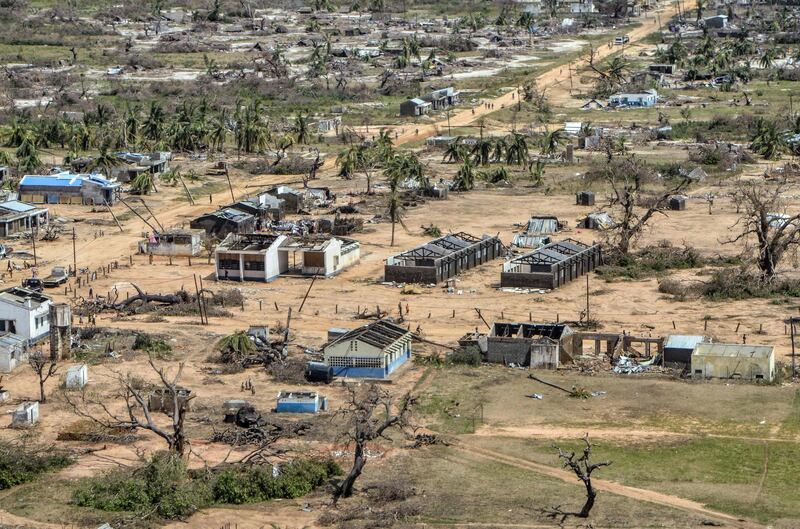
{"x":381,"y":334}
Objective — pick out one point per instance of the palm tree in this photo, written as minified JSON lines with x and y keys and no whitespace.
{"x":219,"y":131}
{"x":6,"y":160}
{"x":551,"y":141}
{"x":406,"y":165}
{"x":105,"y":160}
{"x":19,"y":127}
{"x":767,"y":58}
{"x":768,"y":141}
{"x":27,"y":156}
{"x":348,"y":161}
{"x":301,"y":128}
{"x":395,"y":207}
{"x":537,"y":172}
{"x":465,"y":177}
{"x":498,"y":149}
{"x":481,"y":151}
{"x":517,"y":149}
{"x":153,"y":126}
{"x":143,"y":183}
{"x":251,"y":133}
{"x":130,"y":126}
{"x":455,"y":152}
{"x":235,"y":347}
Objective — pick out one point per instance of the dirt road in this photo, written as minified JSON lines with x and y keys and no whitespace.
{"x":554,"y":80}
{"x":634,"y":493}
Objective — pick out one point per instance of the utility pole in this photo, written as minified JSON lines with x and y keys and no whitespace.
{"x":449,"y":133}
{"x":792,"y":321}
{"x":33,"y":237}
{"x":74,"y":255}
{"x":588,"y":319}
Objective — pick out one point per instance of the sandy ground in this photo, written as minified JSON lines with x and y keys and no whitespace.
{"x":634,"y":306}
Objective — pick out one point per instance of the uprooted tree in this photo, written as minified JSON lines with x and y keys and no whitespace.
{"x":370,"y":414}
{"x":136,"y":395}
{"x":632,"y":205}
{"x":583,"y":468}
{"x":762,"y":221}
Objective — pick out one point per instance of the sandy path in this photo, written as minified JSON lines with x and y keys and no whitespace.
{"x":635,"y":493}
{"x":555,"y":80}
{"x":610,"y":434}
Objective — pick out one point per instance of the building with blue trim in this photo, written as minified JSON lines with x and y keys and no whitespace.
{"x":68,"y":188}
{"x":371,"y":351}
{"x":301,"y":402}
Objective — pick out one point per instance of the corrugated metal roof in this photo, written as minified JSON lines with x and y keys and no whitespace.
{"x":683,"y":341}
{"x":65,"y":179}
{"x":542,"y":225}
{"x":530,"y":241}
{"x":733,"y":350}
{"x":16,"y":205}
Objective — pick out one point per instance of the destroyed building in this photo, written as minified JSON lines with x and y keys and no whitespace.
{"x":551,"y":266}
{"x":442,"y":258}
{"x":737,"y":361}
{"x":372,"y":351}
{"x":175,"y":242}
{"x":537,"y":232}
{"x":17,"y":217}
{"x":263,"y":257}
{"x":535,"y":345}
{"x":225,"y":221}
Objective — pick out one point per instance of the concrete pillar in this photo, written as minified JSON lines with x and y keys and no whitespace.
{"x":60,"y":331}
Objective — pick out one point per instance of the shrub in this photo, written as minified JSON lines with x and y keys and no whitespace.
{"x":163,"y":486}
{"x":470,"y":356}
{"x":21,"y":464}
{"x":649,"y":261}
{"x":155,"y":346}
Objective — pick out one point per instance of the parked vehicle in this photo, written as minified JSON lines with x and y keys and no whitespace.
{"x":58,"y":276}
{"x":33,"y":283}
{"x":619,"y":41}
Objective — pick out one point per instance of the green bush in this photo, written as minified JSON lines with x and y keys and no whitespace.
{"x":165,"y":487}
{"x":650,"y":261}
{"x":21,"y":464}
{"x":249,"y":485}
{"x":155,"y":346}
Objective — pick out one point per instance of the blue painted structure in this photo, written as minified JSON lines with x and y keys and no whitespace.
{"x":301,"y":402}
{"x":373,"y":372}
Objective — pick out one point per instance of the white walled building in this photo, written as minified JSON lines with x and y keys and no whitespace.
{"x":25,"y":313}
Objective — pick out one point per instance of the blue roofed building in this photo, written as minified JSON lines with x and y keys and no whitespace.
{"x":68,"y":188}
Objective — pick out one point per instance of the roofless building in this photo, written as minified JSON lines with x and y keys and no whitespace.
{"x":442,"y":258}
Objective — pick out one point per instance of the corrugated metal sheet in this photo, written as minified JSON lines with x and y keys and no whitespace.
{"x":683,"y":341}
{"x":15,"y":205}
{"x":530,"y":241}
{"x":542,"y":225}
{"x":735,"y":350}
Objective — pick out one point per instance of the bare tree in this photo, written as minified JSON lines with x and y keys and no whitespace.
{"x":634,"y":209}
{"x":370,"y":416}
{"x":135,"y":394}
{"x":583,"y":468}
{"x":762,"y":219}
{"x":45,"y":367}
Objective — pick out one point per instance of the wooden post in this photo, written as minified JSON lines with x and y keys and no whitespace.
{"x":114,"y":216}
{"x":188,"y":194}
{"x":74,"y":254}
{"x":313,"y":279}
